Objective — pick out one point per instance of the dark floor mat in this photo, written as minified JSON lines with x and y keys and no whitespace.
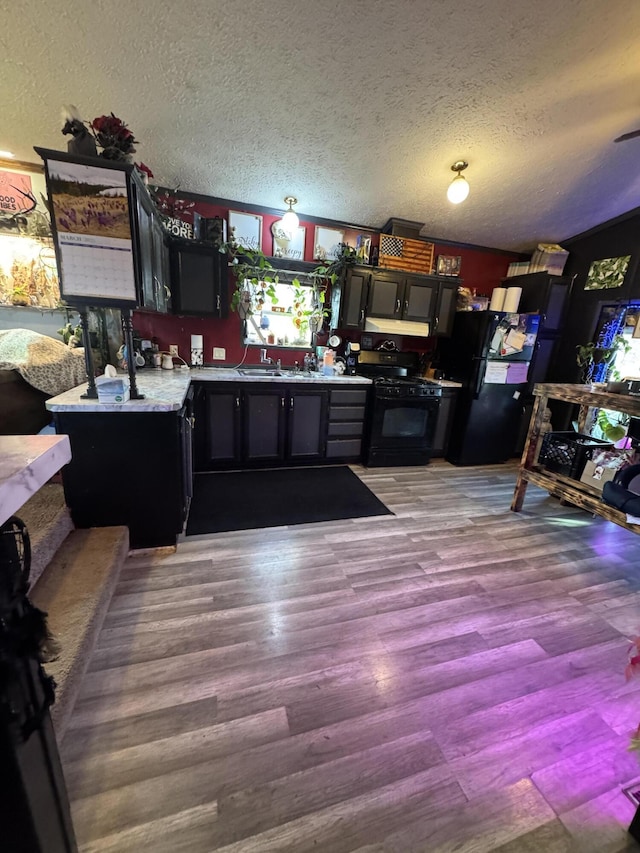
{"x":244,"y":500}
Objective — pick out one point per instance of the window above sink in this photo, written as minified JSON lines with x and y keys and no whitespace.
{"x":287,"y":319}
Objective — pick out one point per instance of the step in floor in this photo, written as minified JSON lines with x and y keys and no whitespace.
{"x":49,"y":523}
{"x":75,"y":590}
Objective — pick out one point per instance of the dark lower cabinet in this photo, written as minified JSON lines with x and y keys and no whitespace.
{"x":346,"y":424}
{"x":256,"y":425}
{"x":217,"y":434}
{"x":307,"y":424}
{"x":129,"y":469}
{"x":263,"y":424}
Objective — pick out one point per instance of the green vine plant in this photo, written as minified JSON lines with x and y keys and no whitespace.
{"x":589,"y":355}
{"x":256,"y":279}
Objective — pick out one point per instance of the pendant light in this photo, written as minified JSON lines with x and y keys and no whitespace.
{"x":458,"y":188}
{"x":290,"y":221}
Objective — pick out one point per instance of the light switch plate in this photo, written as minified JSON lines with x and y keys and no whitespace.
{"x":173,"y":349}
{"x":219,"y":353}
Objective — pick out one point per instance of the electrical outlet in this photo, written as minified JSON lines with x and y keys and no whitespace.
{"x":219,"y":353}
{"x":173,"y":349}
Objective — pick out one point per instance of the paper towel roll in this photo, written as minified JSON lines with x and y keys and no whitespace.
{"x":497,"y":298}
{"x":512,"y":299}
{"x":197,"y":342}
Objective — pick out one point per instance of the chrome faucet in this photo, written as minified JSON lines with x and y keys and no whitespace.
{"x":264,"y":359}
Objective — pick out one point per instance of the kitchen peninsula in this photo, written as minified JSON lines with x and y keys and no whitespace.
{"x":132,"y":462}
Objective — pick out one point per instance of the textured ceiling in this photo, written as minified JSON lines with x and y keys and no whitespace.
{"x":357,"y":107}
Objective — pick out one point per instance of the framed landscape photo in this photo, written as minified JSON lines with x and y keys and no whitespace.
{"x":246,"y":229}
{"x":448,"y":264}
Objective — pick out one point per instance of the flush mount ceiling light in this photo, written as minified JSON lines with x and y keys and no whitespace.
{"x":7,"y":155}
{"x":290,"y":221}
{"x":458,"y":188}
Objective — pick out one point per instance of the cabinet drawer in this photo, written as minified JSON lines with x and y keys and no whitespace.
{"x":345,"y":428}
{"x":339,"y":448}
{"x":345,"y":397}
{"x":346,"y":413}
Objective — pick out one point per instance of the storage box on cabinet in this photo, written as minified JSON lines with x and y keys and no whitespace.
{"x":347,"y":410}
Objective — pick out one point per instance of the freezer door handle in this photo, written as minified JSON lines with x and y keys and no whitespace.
{"x":479,"y":370}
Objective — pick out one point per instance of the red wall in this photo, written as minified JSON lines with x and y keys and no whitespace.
{"x":481,"y":269}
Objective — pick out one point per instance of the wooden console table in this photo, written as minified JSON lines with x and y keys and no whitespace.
{"x":562,"y":487}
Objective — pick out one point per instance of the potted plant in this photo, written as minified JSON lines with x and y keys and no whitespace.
{"x":589,"y":355}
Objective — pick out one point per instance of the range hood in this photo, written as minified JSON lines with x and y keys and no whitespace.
{"x":397,"y":327}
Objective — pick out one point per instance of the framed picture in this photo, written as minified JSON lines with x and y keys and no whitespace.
{"x":28,"y":268}
{"x":92,"y":207}
{"x":287,"y":245}
{"x":326,"y":246}
{"x":607,"y":273}
{"x":448,"y":264}
{"x":246,"y":229}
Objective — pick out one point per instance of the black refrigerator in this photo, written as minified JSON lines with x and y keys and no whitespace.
{"x":489,"y":353}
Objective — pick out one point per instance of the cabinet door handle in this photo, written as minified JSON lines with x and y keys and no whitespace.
{"x":282,"y":402}
{"x":362,"y":315}
{"x":406,"y":306}
{"x":397,"y":305}
{"x":436,"y":323}
{"x":218,"y":302}
{"x":237,"y":402}
{"x":291,"y":403}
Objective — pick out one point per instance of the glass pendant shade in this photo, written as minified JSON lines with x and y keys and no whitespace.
{"x":458,"y":189}
{"x":290,"y":221}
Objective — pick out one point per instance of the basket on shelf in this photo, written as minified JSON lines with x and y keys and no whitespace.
{"x":567,"y":453}
{"x":401,"y":253}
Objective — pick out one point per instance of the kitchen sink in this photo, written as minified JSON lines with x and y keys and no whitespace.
{"x":273,"y":371}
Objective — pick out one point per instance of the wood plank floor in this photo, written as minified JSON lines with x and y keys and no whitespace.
{"x":449,"y":678}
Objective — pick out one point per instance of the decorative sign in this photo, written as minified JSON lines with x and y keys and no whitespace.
{"x":246,"y":229}
{"x":91,"y":209}
{"x":179,"y":228}
{"x":286,"y":245}
{"x":28,"y":270}
{"x":327,"y":243}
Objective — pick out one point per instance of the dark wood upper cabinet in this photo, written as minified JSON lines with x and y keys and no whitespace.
{"x":199,"y":276}
{"x":545,"y":294}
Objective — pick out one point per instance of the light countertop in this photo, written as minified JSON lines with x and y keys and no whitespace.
{"x":165,"y":390}
{"x":446,"y":383}
{"x":26,"y":463}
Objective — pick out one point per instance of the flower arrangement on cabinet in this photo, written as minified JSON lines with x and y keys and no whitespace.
{"x":114,"y":137}
{"x":107,"y":132}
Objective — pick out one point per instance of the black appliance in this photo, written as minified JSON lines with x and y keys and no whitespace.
{"x":403,"y":412}
{"x":352,"y":356}
{"x":489,"y":354}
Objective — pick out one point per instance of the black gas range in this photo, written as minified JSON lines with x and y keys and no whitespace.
{"x":404,"y":410}
{"x":397,"y":386}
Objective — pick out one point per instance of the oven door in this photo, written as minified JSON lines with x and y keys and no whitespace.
{"x":402,"y":430}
